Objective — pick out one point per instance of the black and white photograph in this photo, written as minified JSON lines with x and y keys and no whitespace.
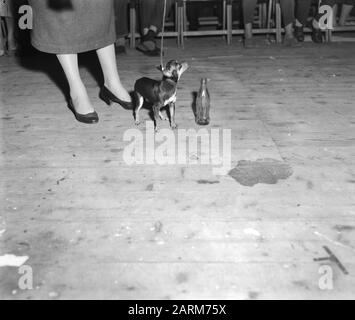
{"x":177,"y":150}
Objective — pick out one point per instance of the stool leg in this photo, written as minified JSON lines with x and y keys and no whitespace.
{"x":328,"y":35}
{"x":184,"y":16}
{"x":269,"y":15}
{"x":224,"y":15}
{"x":229,"y":22}
{"x":263,"y":15}
{"x":132,"y":23}
{"x":176,"y":17}
{"x":181,"y":23}
{"x":177,"y":23}
{"x":278,"y":23}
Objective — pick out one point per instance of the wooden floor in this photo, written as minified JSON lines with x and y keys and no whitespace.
{"x":94,"y":227}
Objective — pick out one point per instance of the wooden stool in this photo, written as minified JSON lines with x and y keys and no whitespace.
{"x":273,"y":8}
{"x":182,"y":21}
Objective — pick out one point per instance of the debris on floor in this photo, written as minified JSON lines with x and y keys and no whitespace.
{"x":252,"y":232}
{"x":332,"y":258}
{"x":10,"y":260}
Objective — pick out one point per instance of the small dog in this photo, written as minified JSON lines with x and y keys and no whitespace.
{"x":160,"y":93}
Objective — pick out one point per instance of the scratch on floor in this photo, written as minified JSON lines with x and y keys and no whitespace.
{"x":332,"y":241}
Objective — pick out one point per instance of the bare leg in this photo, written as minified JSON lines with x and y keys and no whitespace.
{"x":248,"y":30}
{"x":2,"y":42}
{"x":248,"y":16}
{"x":288,"y":14}
{"x":78,"y":91}
{"x":112,"y":80}
{"x":289,"y":31}
{"x":10,"y":23}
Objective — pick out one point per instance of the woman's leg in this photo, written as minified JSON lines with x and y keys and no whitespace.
{"x":248,"y":15}
{"x":302,"y":12}
{"x":151,"y":15}
{"x":288,"y":14}
{"x":157,"y":17}
{"x":2,"y":41}
{"x":121,"y":12}
{"x":11,"y":41}
{"x":112,"y":80}
{"x":78,"y":91}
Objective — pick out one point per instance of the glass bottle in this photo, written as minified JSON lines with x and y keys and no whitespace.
{"x":203,"y":104}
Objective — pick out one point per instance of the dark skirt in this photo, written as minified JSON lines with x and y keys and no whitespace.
{"x":74,"y":27}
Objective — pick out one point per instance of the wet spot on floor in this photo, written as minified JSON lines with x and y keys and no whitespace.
{"x":7,"y":118}
{"x":301,"y":284}
{"x":190,"y":235}
{"x":267,"y":171}
{"x":182,"y":278}
{"x":158,"y":227}
{"x":253,"y":295}
{"x":310,"y":185}
{"x":207,"y":182}
{"x":131,"y":288}
{"x":53,"y":295}
{"x":116,"y":150}
{"x":345,"y":228}
{"x":150,"y":187}
{"x":251,"y":205}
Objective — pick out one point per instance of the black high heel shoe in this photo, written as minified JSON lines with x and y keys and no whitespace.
{"x":299,"y":34}
{"x":88,"y":118}
{"x":107,"y":96}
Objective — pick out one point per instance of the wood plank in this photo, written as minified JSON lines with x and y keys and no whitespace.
{"x":94,"y":227}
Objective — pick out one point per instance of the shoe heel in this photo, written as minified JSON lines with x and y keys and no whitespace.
{"x":105,"y":98}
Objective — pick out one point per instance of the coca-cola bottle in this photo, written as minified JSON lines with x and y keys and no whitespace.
{"x":203,"y":104}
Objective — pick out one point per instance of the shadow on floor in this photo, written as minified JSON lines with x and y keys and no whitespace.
{"x":48,"y":64}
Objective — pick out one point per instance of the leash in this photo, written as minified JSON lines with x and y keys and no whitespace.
{"x":162,"y":36}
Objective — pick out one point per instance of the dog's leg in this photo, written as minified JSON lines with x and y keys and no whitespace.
{"x":139,"y":105}
{"x":173,"y":125}
{"x":156,"y":111}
